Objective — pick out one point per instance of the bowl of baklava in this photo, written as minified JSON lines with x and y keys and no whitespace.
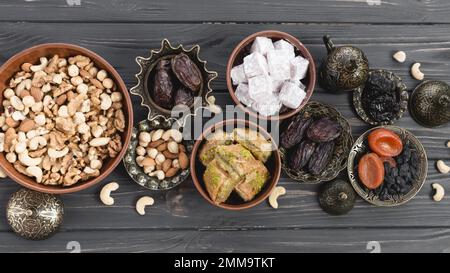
{"x":235,"y":164}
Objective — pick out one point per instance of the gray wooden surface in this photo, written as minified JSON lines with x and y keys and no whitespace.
{"x":181,"y":220}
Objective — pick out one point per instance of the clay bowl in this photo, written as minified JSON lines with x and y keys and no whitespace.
{"x":234,"y":202}
{"x":243,"y":49}
{"x":32,"y":55}
{"x":361,"y":147}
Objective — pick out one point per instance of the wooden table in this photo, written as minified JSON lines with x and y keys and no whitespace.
{"x":181,"y":221}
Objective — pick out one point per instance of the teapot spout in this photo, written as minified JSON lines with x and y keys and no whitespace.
{"x":328,"y":43}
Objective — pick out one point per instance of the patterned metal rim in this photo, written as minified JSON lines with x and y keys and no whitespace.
{"x":341,"y":150}
{"x":137,"y":173}
{"x":146,"y":64}
{"x":403,"y":99}
{"x":360,"y":147}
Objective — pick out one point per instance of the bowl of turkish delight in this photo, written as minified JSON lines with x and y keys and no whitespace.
{"x":235,"y":164}
{"x":271,"y":74}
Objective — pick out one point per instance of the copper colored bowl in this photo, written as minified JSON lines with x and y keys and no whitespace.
{"x":242,"y":50}
{"x":32,"y":55}
{"x":234,"y":202}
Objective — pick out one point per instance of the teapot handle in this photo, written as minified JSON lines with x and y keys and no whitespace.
{"x":328,"y":43}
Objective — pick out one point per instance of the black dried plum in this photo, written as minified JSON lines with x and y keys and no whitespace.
{"x":323,"y":130}
{"x":321,"y":157}
{"x":295,"y":131}
{"x":183,"y":96}
{"x":300,"y":157}
{"x":163,"y":85}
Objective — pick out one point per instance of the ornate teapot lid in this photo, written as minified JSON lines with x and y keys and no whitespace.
{"x":34,"y":215}
{"x":344,"y":69}
{"x":430,"y":103}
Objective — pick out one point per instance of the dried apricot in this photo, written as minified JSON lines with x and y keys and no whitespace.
{"x":371,"y":171}
{"x":385,"y":143}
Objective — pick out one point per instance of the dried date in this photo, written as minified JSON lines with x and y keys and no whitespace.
{"x":302,"y":154}
{"x":295,"y":131}
{"x":187,"y":72}
{"x":321,"y":157}
{"x":163,"y":85}
{"x":184,"y":96}
{"x":323,"y":130}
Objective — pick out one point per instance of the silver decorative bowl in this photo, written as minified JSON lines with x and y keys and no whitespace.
{"x":137,"y":173}
{"x":361,"y":147}
{"x":146,"y":71}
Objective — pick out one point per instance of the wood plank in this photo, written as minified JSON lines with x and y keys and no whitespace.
{"x":226,"y":241}
{"x":312,"y":11}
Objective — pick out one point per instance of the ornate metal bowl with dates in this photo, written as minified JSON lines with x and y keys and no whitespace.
{"x":137,"y":173}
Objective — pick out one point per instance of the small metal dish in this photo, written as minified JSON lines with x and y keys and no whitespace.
{"x":402,"y":97}
{"x":137,"y":173}
{"x":146,"y":71}
{"x":343,"y":144}
{"x":361,"y":147}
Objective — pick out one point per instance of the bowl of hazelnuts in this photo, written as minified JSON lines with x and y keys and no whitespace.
{"x":65,"y":120}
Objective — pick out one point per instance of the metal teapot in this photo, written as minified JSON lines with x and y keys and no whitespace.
{"x":345,"y":67}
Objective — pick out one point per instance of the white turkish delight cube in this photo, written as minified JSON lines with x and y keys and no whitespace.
{"x":255,"y":64}
{"x":262,"y":45}
{"x":268,"y":107}
{"x":277,"y":84}
{"x":278,"y":62}
{"x":242,"y":94}
{"x":285,"y":45}
{"x":238,"y":74}
{"x":299,"y":68}
{"x":291,"y":95}
{"x":260,"y":87}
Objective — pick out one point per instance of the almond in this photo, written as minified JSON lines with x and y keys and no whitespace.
{"x":26,"y":125}
{"x":11,"y":122}
{"x":170,"y":155}
{"x":162,"y":147}
{"x":61,"y":99}
{"x":181,"y":148}
{"x":24,"y":93}
{"x":155,"y":144}
{"x":171,"y":172}
{"x":37,"y":93}
{"x":183,"y":160}
{"x":148,"y":161}
{"x":166,"y":165}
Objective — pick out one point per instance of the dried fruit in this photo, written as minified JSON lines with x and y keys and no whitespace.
{"x":371,"y":170}
{"x":187,"y":72}
{"x":163,"y":85}
{"x":302,"y":154}
{"x":295,"y":131}
{"x":385,"y":142}
{"x":183,"y":96}
{"x":321,"y":157}
{"x":323,"y":130}
{"x":389,"y":160}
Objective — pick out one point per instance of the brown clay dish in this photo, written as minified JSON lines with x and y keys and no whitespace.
{"x":32,"y":55}
{"x":234,"y":202}
{"x":243,"y":48}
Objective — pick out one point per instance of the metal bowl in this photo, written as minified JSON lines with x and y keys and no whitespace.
{"x":137,"y":173}
{"x":343,"y":144}
{"x":146,"y":71}
{"x":361,"y":147}
{"x":402,"y":96}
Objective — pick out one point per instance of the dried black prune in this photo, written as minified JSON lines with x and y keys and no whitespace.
{"x":321,"y":157}
{"x":295,"y":131}
{"x":323,"y":130}
{"x":302,"y":154}
{"x":187,"y":72}
{"x":183,"y":96}
{"x":163,"y":85}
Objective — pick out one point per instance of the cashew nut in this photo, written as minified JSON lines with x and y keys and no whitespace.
{"x":159,"y":174}
{"x":36,"y":68}
{"x":145,"y":137}
{"x":442,"y":167}
{"x":99,"y":141}
{"x":2,"y":173}
{"x":28,"y":161}
{"x":142,"y":203}
{"x":105,"y":101}
{"x":36,"y":172}
{"x":36,"y":141}
{"x":448,"y":144}
{"x":53,"y":153}
{"x":174,"y":134}
{"x":277,"y":192}
{"x":416,"y":73}
{"x":399,"y":56}
{"x":105,"y":193}
{"x":439,"y":192}
{"x":172,"y":146}
{"x":157,"y":134}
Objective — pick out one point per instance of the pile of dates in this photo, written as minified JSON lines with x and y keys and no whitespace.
{"x":176,"y":81}
{"x":310,"y":143}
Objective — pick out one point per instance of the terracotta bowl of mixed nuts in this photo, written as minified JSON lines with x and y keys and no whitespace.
{"x":65,"y":120}
{"x":235,"y":164}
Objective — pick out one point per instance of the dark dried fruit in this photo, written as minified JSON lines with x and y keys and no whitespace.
{"x":321,"y":157}
{"x":302,"y":154}
{"x":324,"y":130}
{"x":295,"y":131}
{"x":163,"y":85}
{"x":184,"y":96}
{"x":187,"y":72}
